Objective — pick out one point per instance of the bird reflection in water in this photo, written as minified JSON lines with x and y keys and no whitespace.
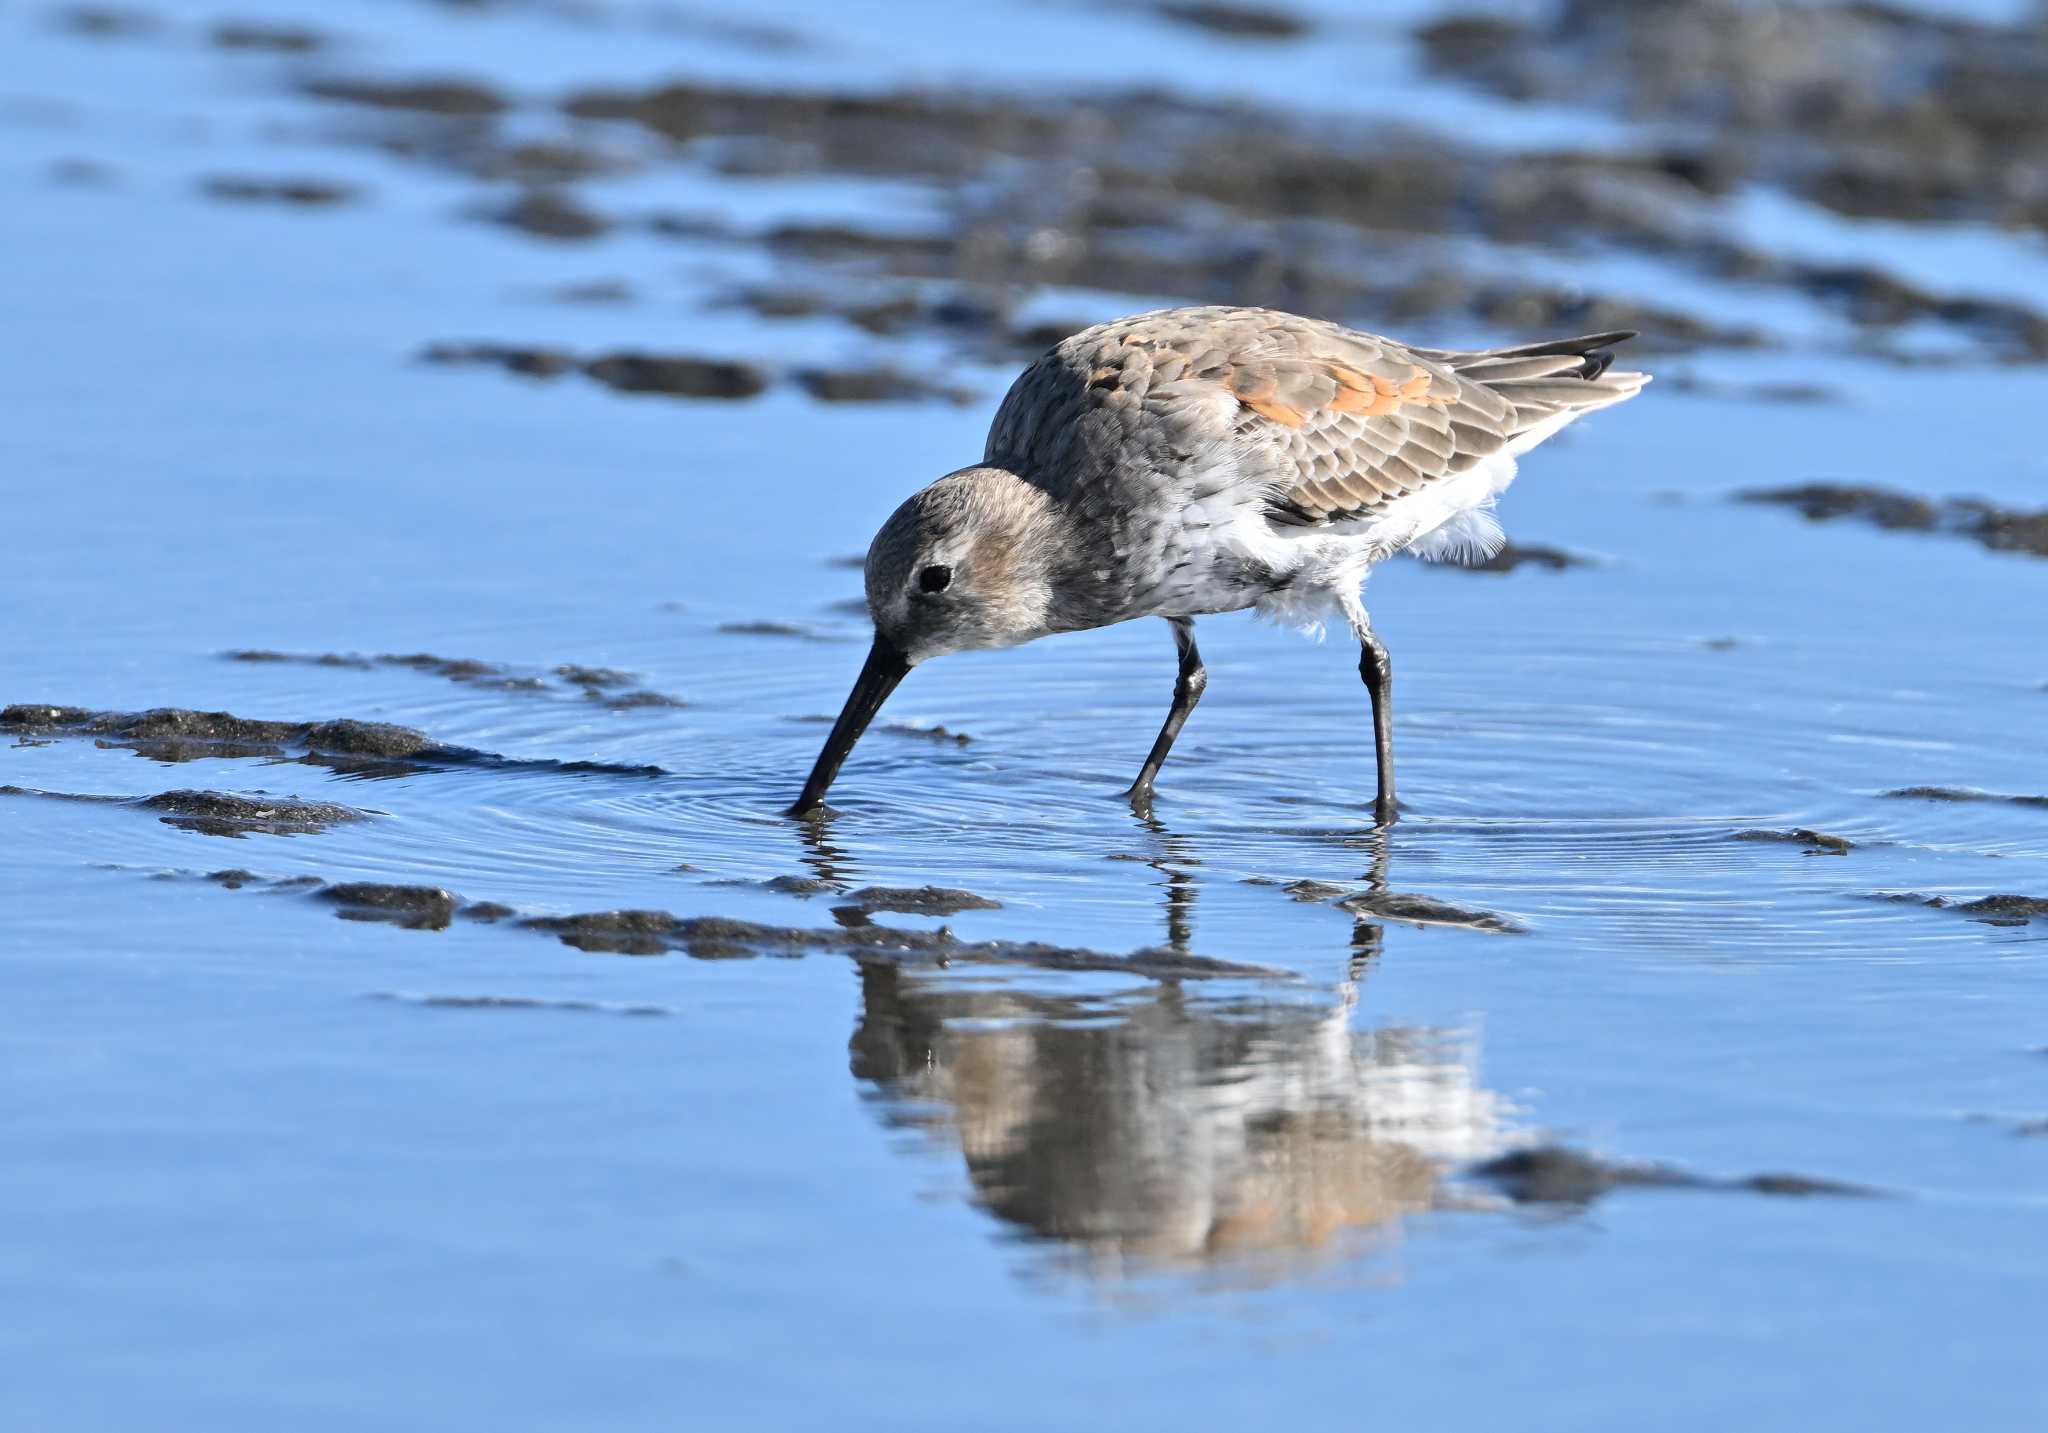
{"x":1165,"y":1128}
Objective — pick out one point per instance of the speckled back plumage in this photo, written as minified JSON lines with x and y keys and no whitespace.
{"x":1328,"y":424}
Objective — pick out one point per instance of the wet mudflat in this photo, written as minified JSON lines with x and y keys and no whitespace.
{"x":436,"y":439}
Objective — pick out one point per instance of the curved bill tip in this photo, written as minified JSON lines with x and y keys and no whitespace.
{"x":885,"y":667}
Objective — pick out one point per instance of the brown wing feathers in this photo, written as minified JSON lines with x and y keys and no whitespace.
{"x":1442,"y":420}
{"x":1338,"y":423}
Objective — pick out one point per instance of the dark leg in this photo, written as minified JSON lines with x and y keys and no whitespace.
{"x":1378,"y":674}
{"x":1187,"y":690}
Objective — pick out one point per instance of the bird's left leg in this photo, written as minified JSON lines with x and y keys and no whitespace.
{"x":1378,"y":674}
{"x":1187,"y":690}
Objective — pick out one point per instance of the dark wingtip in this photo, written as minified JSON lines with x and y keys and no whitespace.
{"x":1600,"y":352}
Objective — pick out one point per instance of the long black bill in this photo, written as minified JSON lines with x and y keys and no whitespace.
{"x":885,"y":668}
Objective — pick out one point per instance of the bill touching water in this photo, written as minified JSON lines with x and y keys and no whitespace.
{"x":441,"y":443}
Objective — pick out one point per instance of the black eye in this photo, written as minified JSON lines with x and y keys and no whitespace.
{"x":935,"y":578}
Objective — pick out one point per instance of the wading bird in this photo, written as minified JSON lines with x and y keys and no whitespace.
{"x":1198,"y":460}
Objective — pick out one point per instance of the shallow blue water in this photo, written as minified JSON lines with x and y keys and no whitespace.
{"x":271,"y":1168}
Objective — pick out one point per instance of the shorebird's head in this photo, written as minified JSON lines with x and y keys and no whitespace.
{"x":965,"y":564}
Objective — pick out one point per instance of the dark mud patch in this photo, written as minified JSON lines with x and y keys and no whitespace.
{"x":219,"y":813}
{"x":549,"y":214}
{"x":1317,"y":217}
{"x":620,"y":932}
{"x":803,"y":887}
{"x":594,"y":291}
{"x":2021,"y":1126}
{"x":1693,"y":383}
{"x":1817,"y":843}
{"x":945,"y":736}
{"x":108,"y":22}
{"x":1870,"y":110}
{"x":1998,"y":910}
{"x":83,"y":173}
{"x":179,"y":734}
{"x":942,"y":735}
{"x":791,"y":631}
{"x":346,"y":746}
{"x":1426,"y":910}
{"x":458,"y":98}
{"x":541,"y":164}
{"x":2000,"y":529}
{"x":978,"y":318}
{"x":528,"y":361}
{"x":637,"y":701}
{"x":1237,"y":22}
{"x":1555,"y":1175}
{"x":487,"y":912}
{"x":304,"y":193}
{"x":670,"y":375}
{"x":1314,"y":892}
{"x":878,"y":384}
{"x":1961,"y":794}
{"x":599,"y":684}
{"x":918,"y":901}
{"x":601,"y":678}
{"x":516,"y":1002}
{"x":266,"y":38}
{"x":678,"y":376}
{"x":410,"y":907}
{"x":304,"y":659}
{"x":454,"y":669}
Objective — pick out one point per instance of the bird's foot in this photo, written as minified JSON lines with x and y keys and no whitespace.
{"x":1139,"y":794}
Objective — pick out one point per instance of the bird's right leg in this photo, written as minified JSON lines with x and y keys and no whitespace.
{"x":1187,"y":690}
{"x":1378,"y":674}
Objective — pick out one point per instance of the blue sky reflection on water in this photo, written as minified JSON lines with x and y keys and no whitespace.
{"x":277,"y":1168}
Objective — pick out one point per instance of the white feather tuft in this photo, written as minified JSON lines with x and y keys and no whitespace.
{"x":1469,"y":537}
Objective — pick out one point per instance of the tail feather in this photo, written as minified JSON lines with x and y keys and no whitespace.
{"x":1553,"y":382}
